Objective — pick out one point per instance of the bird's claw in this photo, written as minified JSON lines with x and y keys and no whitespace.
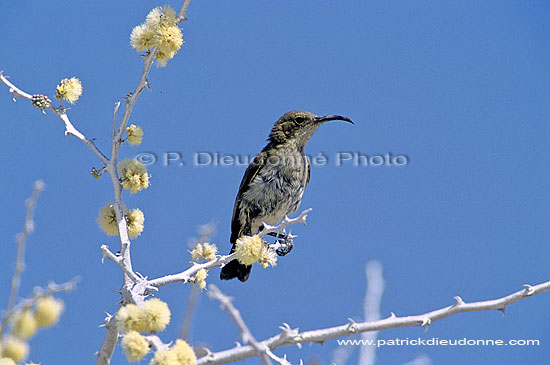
{"x":286,"y":246}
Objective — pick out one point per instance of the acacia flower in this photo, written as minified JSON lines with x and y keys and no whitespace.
{"x":164,"y":357}
{"x":107,"y":220}
{"x":15,"y":349}
{"x":269,"y":257}
{"x":24,"y":325}
{"x":135,"y":134}
{"x":129,"y":318}
{"x":48,"y":310}
{"x":135,"y":346}
{"x":159,"y":30}
{"x":69,"y":89}
{"x":249,"y":249}
{"x":135,"y":220}
{"x":184,"y":353}
{"x":155,"y":315}
{"x":200,"y":278}
{"x":134,"y":175}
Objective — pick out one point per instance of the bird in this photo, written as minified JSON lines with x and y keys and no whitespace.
{"x":273,"y":183}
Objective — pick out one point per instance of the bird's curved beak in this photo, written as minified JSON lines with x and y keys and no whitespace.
{"x":327,"y":118}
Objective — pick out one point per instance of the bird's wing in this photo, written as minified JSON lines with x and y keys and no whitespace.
{"x":251,"y":171}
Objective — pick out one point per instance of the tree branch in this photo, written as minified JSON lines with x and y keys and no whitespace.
{"x":291,"y":336}
{"x":61,"y":114}
{"x":21,"y":238}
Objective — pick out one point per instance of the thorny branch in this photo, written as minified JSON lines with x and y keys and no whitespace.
{"x":263,"y":352}
{"x":21,"y":238}
{"x":291,"y":336}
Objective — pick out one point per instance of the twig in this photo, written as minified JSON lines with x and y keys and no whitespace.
{"x":21,"y":238}
{"x":185,"y":276}
{"x":246,"y":335}
{"x":61,"y":114}
{"x":291,"y":336}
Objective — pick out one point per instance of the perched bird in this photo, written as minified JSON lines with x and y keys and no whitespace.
{"x":274,"y":182}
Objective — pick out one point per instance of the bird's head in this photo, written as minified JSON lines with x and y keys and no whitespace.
{"x":298,"y":126}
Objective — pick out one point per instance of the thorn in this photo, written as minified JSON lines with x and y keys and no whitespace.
{"x":392,"y":315}
{"x":459,"y":301}
{"x":503,"y":310}
{"x":352,"y":326}
{"x":528,"y":290}
{"x":426,"y":323}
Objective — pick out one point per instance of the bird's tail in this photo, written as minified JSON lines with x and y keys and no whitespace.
{"x":234,"y":269}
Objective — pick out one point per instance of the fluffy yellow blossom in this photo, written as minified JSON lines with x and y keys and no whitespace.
{"x":135,"y":220}
{"x":135,"y":346}
{"x":15,"y":349}
{"x":24,"y":325}
{"x":164,"y":357}
{"x":134,"y":175}
{"x":197,"y":252}
{"x":205,"y":250}
{"x":184,"y":353}
{"x":142,"y":38}
{"x":48,"y":310}
{"x":135,"y":134}
{"x":129,"y":318}
{"x":69,"y":89}
{"x":269,"y":257}
{"x":249,"y":249}
{"x":7,"y":361}
{"x":155,"y":315}
{"x":107,"y":220}
{"x":200,"y":278}
{"x":159,"y":30}
{"x":209,"y":251}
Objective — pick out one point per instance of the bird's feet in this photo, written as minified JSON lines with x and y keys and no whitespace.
{"x":285,"y":245}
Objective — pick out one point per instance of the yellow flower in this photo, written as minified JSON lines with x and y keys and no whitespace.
{"x":107,"y":220}
{"x":135,"y":220}
{"x":184,"y":353}
{"x":69,"y":89}
{"x":197,"y":252}
{"x":200,"y":278}
{"x":15,"y":349}
{"x":24,"y":325}
{"x":159,"y":30}
{"x":129,"y":318}
{"x":155,"y":315}
{"x":142,"y":38}
{"x":209,"y":251}
{"x":169,"y":39}
{"x":269,"y":257}
{"x":7,"y":361}
{"x":48,"y":310}
{"x":135,"y":134}
{"x":135,"y":346}
{"x":249,"y":249}
{"x":134,"y":175}
{"x":164,"y":357}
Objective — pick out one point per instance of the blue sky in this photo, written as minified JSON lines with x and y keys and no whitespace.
{"x":460,"y":89}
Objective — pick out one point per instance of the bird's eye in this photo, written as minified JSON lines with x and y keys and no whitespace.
{"x":299,"y":120}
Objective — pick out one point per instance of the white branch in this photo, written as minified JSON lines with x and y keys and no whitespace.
{"x":261,"y":351}
{"x":281,"y":227}
{"x":185,"y":276}
{"x":293,"y":336}
{"x":61,"y":114}
{"x":21,"y":239}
